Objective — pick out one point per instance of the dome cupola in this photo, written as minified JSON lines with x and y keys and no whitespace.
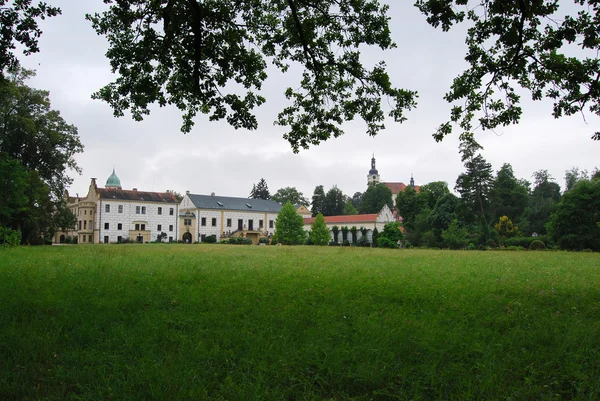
{"x":113,"y":181}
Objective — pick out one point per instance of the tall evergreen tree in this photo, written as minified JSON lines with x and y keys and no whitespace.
{"x":318,"y":200}
{"x":334,"y":202}
{"x":542,"y":203}
{"x":319,"y":233}
{"x":260,"y":190}
{"x":474,"y":186}
{"x":509,"y":195}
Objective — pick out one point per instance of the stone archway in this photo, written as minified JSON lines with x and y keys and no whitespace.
{"x":187,"y":238}
{"x":62,"y":239}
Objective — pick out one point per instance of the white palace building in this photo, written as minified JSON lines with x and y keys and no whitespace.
{"x":113,"y":214}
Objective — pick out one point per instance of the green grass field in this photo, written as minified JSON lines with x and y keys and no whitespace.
{"x":177,"y":322}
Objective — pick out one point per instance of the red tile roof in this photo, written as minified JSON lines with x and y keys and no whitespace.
{"x":355,"y":218}
{"x":397,"y":187}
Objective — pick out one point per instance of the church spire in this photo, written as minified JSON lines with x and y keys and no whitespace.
{"x":412,"y":181}
{"x":373,"y":176}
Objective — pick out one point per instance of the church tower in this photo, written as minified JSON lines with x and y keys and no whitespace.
{"x":373,"y":177}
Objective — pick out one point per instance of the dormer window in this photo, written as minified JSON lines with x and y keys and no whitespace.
{"x":249,"y":205}
{"x":220,"y":204}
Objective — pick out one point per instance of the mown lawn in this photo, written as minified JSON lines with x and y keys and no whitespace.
{"x":177,"y":322}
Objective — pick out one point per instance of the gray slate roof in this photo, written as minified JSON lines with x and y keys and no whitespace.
{"x":229,"y":203}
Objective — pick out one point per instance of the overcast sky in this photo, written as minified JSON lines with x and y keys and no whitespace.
{"x":155,"y":155}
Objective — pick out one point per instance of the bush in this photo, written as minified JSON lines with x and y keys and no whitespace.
{"x":210,"y":239}
{"x":537,"y":245}
{"x":525,"y":242}
{"x":346,"y":243}
{"x":471,"y":246}
{"x":240,"y":241}
{"x":9,"y":237}
{"x":68,"y":239}
{"x":263,"y":240}
{"x":385,"y":242}
{"x":407,"y":244}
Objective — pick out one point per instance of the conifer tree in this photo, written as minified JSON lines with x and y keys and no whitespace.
{"x":319,"y":233}
{"x":289,"y":226}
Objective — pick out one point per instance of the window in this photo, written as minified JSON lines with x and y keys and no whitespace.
{"x":119,"y":239}
{"x":171,"y":212}
{"x":203,"y":222}
{"x":143,"y":227}
{"x":159,"y":227}
{"x":84,"y":224}
{"x":119,"y":226}
{"x":137,"y":227}
{"x":85,"y":212}
{"x":170,"y":239}
{"x":90,"y":226}
{"x":83,"y":237}
{"x":171,"y":227}
{"x":202,"y":237}
{"x":137,"y":210}
{"x":270,"y":223}
{"x":214,"y":221}
{"x":159,"y":210}
{"x":90,"y":238}
{"x":187,"y":222}
{"x":143,"y":209}
{"x":106,"y":225}
{"x":107,"y":208}
{"x":120,"y":208}
{"x":80,"y":224}
{"x":228,"y":222}
{"x":106,"y":239}
{"x":260,"y":224}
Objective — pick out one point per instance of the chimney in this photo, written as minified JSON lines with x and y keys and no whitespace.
{"x":187,"y":192}
{"x":135,"y":189}
{"x":212,"y":194}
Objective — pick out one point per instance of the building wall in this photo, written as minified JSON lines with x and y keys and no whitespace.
{"x":129,"y":218}
{"x":197,"y":229}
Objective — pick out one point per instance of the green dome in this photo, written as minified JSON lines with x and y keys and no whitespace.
{"x":113,"y":181}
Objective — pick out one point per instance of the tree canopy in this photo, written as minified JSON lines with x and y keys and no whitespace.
{"x":19,"y":25}
{"x":187,"y":53}
{"x":374,"y":198}
{"x":38,"y":149}
{"x":524,"y":44}
{"x":290,"y":194}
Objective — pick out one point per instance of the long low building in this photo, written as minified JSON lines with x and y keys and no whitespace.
{"x":226,"y":217}
{"x":368,"y":221}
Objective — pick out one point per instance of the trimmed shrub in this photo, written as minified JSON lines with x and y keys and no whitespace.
{"x":346,"y":243}
{"x":210,"y":239}
{"x":263,"y":240}
{"x":385,"y":242}
{"x":537,"y":245}
{"x":407,"y":244}
{"x":240,"y":241}
{"x":471,"y":246}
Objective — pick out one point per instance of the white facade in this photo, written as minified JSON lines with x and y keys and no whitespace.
{"x":117,"y":220}
{"x":201,"y":222}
